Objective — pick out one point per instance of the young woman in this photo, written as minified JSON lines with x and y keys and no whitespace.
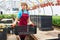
{"x":23,"y":17}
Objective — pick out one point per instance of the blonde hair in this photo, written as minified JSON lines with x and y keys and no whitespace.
{"x":25,"y":4}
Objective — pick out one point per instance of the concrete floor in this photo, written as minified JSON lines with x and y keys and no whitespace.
{"x":13,"y":37}
{"x":44,"y":35}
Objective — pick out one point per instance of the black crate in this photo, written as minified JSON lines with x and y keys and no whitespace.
{"x":46,"y":23}
{"x":43,"y":22}
{"x":3,"y":34}
{"x":25,"y":30}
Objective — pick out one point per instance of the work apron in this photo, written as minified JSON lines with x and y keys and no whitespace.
{"x":23,"y":22}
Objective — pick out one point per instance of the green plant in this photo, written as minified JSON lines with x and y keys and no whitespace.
{"x":56,"y":20}
{"x":8,"y":16}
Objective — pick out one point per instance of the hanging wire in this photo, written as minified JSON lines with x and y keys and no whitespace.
{"x":39,"y":6}
{"x":43,"y":7}
{"x":51,"y":8}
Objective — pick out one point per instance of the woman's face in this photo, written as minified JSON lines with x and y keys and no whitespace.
{"x":23,"y":7}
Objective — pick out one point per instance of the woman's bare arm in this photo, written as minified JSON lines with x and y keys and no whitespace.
{"x":29,"y":21}
{"x":16,"y":20}
{"x":14,"y":23}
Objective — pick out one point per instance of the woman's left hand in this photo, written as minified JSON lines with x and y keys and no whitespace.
{"x":32,"y":25}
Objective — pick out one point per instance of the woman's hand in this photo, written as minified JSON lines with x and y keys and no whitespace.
{"x":32,"y":25}
{"x":13,"y":25}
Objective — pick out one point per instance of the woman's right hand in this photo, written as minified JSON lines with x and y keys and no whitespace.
{"x":13,"y":25}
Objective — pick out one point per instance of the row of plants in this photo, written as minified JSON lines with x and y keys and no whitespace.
{"x":56,"y":20}
{"x":7,"y":16}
